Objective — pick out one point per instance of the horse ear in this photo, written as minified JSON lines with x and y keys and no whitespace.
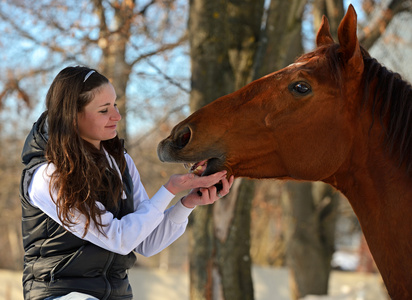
{"x":324,"y":37}
{"x":348,"y":40}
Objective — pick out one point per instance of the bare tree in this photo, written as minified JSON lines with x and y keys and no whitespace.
{"x":380,"y":15}
{"x":117,"y":37}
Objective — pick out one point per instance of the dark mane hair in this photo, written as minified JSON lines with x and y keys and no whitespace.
{"x":392,"y":103}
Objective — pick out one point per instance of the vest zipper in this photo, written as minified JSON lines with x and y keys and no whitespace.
{"x":106,"y":268}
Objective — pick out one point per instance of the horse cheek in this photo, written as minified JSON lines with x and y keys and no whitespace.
{"x":316,"y":153}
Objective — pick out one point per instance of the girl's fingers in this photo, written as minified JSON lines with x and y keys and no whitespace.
{"x":226,"y":185}
{"x":208,"y":195}
{"x":208,"y":181}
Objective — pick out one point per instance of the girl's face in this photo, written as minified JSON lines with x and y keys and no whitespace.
{"x":98,"y":120}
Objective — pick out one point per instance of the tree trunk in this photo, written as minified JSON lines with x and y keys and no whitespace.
{"x":310,"y":227}
{"x":212,"y":75}
{"x":281,"y":41}
{"x":113,"y":44}
{"x":220,"y":264}
{"x":223,"y":38}
{"x":333,"y":9}
{"x":310,"y":211}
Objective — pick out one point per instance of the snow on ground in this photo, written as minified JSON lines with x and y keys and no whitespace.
{"x":269,"y":284}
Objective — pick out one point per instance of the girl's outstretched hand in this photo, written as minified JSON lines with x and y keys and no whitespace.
{"x":180,"y":183}
{"x":207,"y":195}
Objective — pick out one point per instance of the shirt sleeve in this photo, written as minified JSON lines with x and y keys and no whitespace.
{"x":148,"y":230}
{"x":172,"y":226}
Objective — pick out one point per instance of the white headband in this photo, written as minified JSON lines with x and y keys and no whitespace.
{"x":88,"y":75}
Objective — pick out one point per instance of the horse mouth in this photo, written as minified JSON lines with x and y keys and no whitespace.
{"x":196,"y":168}
{"x":205,"y":167}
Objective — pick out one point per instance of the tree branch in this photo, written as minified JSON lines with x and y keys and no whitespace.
{"x":157,"y":125}
{"x":167,"y":77}
{"x":370,"y":34}
{"x":162,"y":48}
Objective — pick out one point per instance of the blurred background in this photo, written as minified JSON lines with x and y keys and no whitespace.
{"x":151,"y":50}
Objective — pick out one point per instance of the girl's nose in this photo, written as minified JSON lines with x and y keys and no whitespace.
{"x":116,"y":116}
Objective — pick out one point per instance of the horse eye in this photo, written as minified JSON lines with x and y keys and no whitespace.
{"x":300,"y":88}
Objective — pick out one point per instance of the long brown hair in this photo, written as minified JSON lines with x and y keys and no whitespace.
{"x":83,"y":174}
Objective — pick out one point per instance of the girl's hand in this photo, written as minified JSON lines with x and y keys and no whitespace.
{"x":180,"y":183}
{"x":208,"y":195}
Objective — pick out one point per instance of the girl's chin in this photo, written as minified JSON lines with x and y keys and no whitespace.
{"x":111,"y":136}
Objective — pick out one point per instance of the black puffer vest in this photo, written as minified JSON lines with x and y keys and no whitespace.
{"x":56,"y":262}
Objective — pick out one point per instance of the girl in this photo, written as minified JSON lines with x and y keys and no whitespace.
{"x":85,"y":209}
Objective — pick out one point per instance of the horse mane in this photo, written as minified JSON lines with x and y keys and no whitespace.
{"x":391,"y":101}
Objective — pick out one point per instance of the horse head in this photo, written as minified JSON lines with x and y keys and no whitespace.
{"x":298,"y":122}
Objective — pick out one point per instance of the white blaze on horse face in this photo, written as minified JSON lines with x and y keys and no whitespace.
{"x":278,"y":75}
{"x":297,"y":64}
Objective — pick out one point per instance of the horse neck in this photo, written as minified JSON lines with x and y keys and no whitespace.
{"x":380,"y":194}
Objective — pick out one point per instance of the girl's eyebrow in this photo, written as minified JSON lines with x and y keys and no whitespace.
{"x":106,"y":104}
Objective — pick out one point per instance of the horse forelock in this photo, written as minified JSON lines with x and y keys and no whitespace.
{"x":333,"y":62}
{"x":390,"y":99}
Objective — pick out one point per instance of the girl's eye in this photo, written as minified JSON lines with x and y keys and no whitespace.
{"x":107,"y":109}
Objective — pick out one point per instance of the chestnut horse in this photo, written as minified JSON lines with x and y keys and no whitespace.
{"x":335,"y":115}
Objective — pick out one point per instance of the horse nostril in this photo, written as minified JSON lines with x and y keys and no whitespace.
{"x":183,"y":138}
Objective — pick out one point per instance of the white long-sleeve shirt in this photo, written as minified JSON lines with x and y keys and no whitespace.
{"x":148,"y":230}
